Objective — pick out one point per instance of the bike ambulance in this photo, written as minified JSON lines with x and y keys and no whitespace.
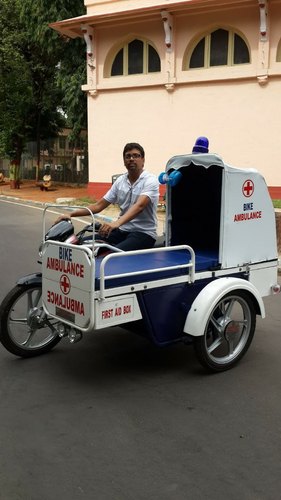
{"x":204,"y":287}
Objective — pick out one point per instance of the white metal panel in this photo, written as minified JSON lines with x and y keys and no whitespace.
{"x":205,"y":301}
{"x":248,"y":232}
{"x":247,"y":227}
{"x":68,"y":283}
{"x":263,"y":279}
{"x":116,"y":311}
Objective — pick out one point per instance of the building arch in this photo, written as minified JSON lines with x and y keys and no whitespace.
{"x":131,"y":56}
{"x":219,"y":46}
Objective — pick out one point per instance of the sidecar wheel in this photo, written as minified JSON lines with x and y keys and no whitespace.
{"x":228,"y":334}
{"x":25,"y":330}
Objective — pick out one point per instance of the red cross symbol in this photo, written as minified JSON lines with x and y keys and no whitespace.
{"x":248,"y":188}
{"x":65,"y":284}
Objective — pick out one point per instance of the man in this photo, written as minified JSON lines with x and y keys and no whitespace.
{"x":136,"y":192}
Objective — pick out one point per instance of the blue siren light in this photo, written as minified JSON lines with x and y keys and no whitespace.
{"x":174,"y":178}
{"x":163,"y":178}
{"x":201,"y":145}
{"x":171,"y":179}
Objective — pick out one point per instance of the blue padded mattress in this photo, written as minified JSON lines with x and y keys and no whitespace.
{"x":150,"y":264}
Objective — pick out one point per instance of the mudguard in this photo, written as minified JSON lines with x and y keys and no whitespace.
{"x":205,"y":301}
{"x":30,"y":279}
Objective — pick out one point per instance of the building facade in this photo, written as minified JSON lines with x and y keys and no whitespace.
{"x":162,"y":73}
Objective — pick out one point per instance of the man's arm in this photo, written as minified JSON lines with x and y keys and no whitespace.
{"x":133,"y":211}
{"x":79,"y":212}
{"x":95,"y":208}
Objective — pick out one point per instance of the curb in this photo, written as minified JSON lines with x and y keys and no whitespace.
{"x":41,"y":204}
{"x":25,"y":202}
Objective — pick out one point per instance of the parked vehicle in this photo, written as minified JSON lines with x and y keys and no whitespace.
{"x":204,"y":287}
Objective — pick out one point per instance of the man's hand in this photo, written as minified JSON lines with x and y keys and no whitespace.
{"x":107,"y":227}
{"x":62,"y":217}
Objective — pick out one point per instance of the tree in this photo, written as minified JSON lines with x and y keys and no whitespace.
{"x":40,"y":74}
{"x":15,"y":88}
{"x":68,"y":56}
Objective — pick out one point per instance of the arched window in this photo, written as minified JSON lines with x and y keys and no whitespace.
{"x":218,"y":48}
{"x":134,"y":58}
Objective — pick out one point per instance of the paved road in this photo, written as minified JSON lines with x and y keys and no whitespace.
{"x":113,"y":418}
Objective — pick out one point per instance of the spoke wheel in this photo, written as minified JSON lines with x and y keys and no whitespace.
{"x":229,"y":332}
{"x":25,"y":329}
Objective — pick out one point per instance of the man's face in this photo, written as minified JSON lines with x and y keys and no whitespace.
{"x":133,"y":161}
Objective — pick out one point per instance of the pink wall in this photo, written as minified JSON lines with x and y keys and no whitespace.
{"x":237,"y":107}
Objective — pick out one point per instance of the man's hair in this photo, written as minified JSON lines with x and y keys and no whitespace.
{"x":133,"y":145}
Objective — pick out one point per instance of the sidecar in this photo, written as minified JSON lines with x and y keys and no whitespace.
{"x":205,"y":286}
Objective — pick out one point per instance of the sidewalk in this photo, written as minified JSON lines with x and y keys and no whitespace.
{"x":60,"y":194}
{"x":30,"y":192}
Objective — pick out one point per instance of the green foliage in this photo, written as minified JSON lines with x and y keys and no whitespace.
{"x":40,"y":73}
{"x":67,"y":56}
{"x":74,"y":101}
{"x":85,"y":201}
{"x":276,"y":203}
{"x":15,"y":88}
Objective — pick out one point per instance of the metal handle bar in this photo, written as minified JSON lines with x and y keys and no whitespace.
{"x":69,"y":208}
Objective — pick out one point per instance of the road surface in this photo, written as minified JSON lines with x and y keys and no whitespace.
{"x":114,"y":418}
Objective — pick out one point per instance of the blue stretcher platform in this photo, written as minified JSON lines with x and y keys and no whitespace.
{"x":124,"y":270}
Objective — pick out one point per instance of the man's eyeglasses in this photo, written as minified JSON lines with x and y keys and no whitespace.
{"x":128,"y":156}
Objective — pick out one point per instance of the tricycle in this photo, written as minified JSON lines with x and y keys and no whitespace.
{"x":204,"y":286}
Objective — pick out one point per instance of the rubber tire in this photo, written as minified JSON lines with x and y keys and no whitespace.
{"x":5,"y":336}
{"x":200,"y":343}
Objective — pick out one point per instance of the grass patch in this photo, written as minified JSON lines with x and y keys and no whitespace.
{"x":276,"y":203}
{"x":85,"y":201}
